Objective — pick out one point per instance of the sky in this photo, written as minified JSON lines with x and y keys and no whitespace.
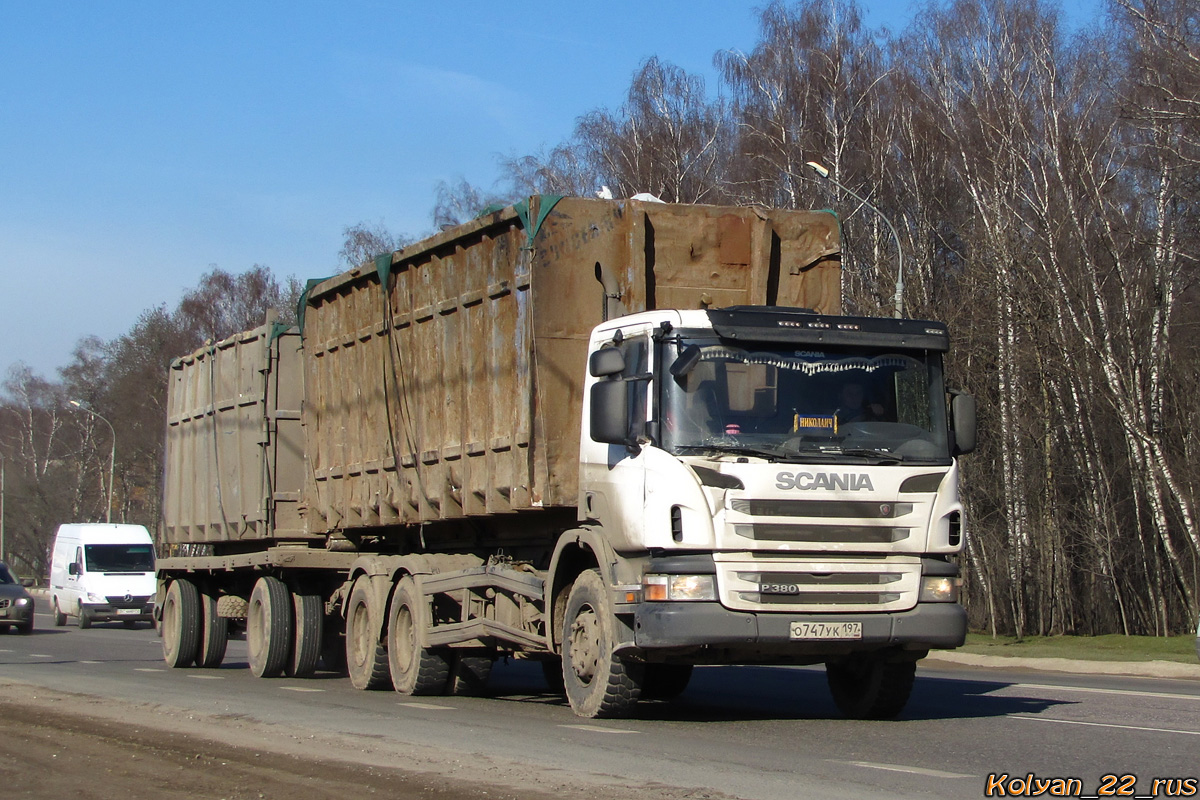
{"x":144,"y":143}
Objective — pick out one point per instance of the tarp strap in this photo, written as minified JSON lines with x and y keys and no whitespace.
{"x":383,"y":266}
{"x":303,"y":304}
{"x":545,"y":206}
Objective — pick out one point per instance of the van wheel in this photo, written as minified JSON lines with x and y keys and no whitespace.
{"x":366,"y":655}
{"x":181,"y":624}
{"x":85,"y":618}
{"x":416,"y":669}
{"x":309,"y":612}
{"x":215,"y":638}
{"x":598,"y":683}
{"x":269,"y":627}
{"x":60,"y":618}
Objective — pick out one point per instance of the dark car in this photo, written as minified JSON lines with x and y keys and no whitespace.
{"x":16,"y":606}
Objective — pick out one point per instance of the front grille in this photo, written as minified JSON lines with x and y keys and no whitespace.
{"x":843,"y":509}
{"x":801,"y":585}
{"x":128,"y":601}
{"x":825,"y":534}
{"x":5,"y":602}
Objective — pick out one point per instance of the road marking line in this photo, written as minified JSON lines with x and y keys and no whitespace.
{"x":91,"y":662}
{"x":1091,"y":690}
{"x":149,"y":669}
{"x":594,"y":729}
{"x":207,"y":677}
{"x":1107,"y":725}
{"x":300,"y":689}
{"x":929,"y":773}
{"x":40,"y":655}
{"x":427,"y":706}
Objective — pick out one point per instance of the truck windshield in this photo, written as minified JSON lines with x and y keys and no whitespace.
{"x":119,"y":557}
{"x":803,"y":402}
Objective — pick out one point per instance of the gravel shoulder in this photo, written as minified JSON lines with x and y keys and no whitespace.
{"x":57,"y":744}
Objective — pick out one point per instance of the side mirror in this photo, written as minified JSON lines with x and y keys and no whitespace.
{"x":686,"y":362}
{"x":606,"y":361}
{"x":610,"y":411}
{"x":962,"y":409}
{"x":72,"y":569}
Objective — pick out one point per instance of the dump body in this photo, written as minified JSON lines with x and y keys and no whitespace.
{"x":457,"y":393}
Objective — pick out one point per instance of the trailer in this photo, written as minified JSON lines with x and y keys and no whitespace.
{"x":601,"y":434}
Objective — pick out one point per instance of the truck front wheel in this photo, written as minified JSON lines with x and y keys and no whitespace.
{"x":415,"y":669}
{"x":867,"y":687}
{"x":597,"y":683}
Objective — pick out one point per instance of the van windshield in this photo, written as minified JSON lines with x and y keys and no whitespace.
{"x":119,"y":557}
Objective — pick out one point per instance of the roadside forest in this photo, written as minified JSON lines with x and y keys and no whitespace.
{"x":1043,"y":183}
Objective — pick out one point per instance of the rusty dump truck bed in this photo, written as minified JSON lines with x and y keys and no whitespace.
{"x":444,"y":381}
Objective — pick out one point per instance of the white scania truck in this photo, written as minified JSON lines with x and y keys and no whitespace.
{"x":621,"y":438}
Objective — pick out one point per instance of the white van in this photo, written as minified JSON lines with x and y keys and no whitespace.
{"x":101,"y":572}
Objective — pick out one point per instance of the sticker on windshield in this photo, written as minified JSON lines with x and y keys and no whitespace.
{"x":821,"y":423}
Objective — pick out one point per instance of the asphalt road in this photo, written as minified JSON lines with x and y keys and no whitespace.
{"x":769,"y":733}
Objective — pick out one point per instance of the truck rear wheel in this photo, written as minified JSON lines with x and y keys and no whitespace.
{"x":865,"y":687}
{"x":269,"y":627}
{"x":215,"y":636}
{"x":366,"y":656}
{"x":469,"y":675}
{"x":181,"y":623}
{"x":598,"y":683}
{"x":306,"y":650}
{"x":415,"y":669}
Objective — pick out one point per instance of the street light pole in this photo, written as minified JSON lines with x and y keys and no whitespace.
{"x":898,"y":301}
{"x":112,"y":456}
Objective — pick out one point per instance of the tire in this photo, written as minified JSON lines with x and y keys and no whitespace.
{"x":469,"y":675}
{"x":598,"y":684}
{"x":85,"y":618}
{"x":60,"y":618}
{"x":870,"y":688}
{"x":415,"y":669}
{"x":215,"y":636}
{"x":366,"y":656}
{"x":269,"y":627}
{"x":666,"y":681}
{"x":181,"y":624}
{"x":309,"y":615}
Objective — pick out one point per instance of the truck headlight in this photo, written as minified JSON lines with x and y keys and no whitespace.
{"x":680,"y":587}
{"x":940,"y":589}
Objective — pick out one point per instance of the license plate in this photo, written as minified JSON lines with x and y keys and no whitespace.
{"x":123,"y":611}
{"x":826,"y":630}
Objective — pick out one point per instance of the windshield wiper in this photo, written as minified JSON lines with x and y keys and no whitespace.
{"x":734,"y":449}
{"x":885,"y":456}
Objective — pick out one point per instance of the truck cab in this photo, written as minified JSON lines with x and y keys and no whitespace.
{"x":781,"y":486}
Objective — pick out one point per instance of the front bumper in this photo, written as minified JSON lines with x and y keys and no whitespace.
{"x":766,"y":636}
{"x":105,"y":612}
{"x":17,"y":615}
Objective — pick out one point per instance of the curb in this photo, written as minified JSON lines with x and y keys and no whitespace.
{"x":1145,"y":669}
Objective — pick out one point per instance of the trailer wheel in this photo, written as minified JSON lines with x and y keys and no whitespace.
{"x":598,"y":683}
{"x":310,"y":620}
{"x":269,"y":627}
{"x":181,"y":623}
{"x":666,"y":681}
{"x":469,"y":675}
{"x":866,"y":687}
{"x":415,"y":669}
{"x":366,"y":656}
{"x":215,"y":636}
{"x":60,"y":618}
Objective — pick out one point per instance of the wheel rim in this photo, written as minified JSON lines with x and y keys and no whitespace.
{"x":359,"y":635}
{"x":585,"y":645}
{"x":256,"y":623}
{"x":169,"y":623}
{"x":406,"y":636}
